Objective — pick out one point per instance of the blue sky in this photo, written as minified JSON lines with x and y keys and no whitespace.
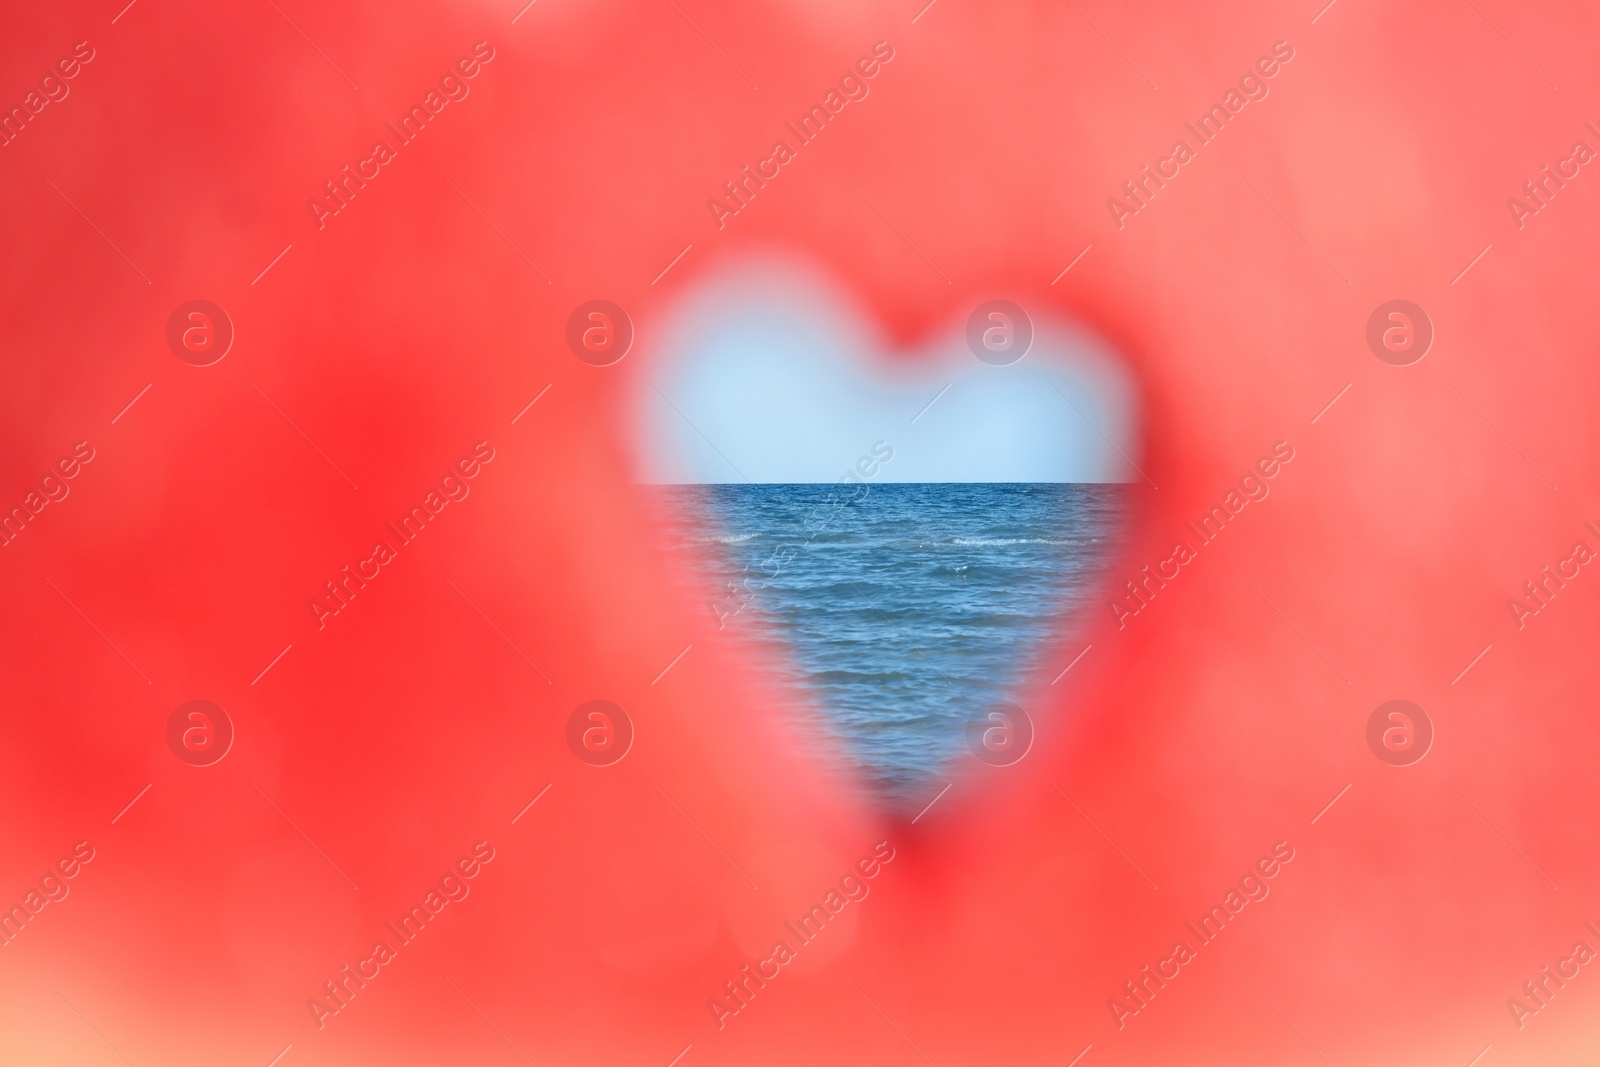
{"x":772,"y":377}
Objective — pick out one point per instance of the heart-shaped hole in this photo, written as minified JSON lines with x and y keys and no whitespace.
{"x":921,"y":532}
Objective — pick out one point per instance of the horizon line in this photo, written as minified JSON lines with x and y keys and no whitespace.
{"x":966,"y":481}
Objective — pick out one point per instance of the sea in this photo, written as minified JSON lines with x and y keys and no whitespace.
{"x":905,"y":610}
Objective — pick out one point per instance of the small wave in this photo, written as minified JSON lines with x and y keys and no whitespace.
{"x":836,"y":677}
{"x":829,"y":537}
{"x":1016,"y":541}
{"x":727,"y":539}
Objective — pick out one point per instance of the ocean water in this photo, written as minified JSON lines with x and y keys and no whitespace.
{"x":905,"y":610}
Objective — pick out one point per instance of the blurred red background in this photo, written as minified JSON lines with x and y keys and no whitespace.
{"x":375,"y":351}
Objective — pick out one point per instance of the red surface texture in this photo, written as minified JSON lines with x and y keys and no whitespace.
{"x":178,"y":524}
